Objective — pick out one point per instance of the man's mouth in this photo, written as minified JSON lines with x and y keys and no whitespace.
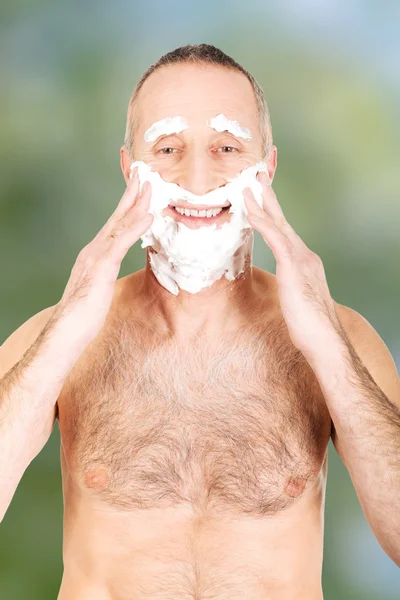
{"x":201,"y":215}
{"x":204,"y":213}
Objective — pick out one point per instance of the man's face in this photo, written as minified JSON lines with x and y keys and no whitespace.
{"x":199,"y":158}
{"x":198,"y":134}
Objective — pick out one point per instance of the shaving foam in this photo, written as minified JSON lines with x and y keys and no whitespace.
{"x":222,"y":123}
{"x":193,"y":259}
{"x":165,"y":127}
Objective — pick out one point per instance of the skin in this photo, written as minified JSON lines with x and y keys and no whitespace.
{"x":198,"y":161}
{"x":194,"y":431}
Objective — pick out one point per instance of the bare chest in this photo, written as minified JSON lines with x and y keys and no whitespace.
{"x":234,"y":426}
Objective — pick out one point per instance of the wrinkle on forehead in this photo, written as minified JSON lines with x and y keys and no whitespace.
{"x":197,"y":94}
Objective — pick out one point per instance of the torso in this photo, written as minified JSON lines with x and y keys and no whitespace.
{"x":193,"y":471}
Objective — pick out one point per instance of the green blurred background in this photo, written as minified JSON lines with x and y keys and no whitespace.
{"x":331,"y":74}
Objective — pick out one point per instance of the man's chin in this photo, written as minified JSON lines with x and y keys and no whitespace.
{"x":196,"y":222}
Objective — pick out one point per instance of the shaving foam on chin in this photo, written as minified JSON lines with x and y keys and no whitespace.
{"x":192,"y":259}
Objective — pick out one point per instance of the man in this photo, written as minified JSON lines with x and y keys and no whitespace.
{"x":195,"y":426}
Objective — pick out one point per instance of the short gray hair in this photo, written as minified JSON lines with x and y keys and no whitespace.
{"x":200,"y":54}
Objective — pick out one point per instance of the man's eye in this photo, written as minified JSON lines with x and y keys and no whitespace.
{"x":163,"y":150}
{"x":229,"y":150}
{"x":228,"y":147}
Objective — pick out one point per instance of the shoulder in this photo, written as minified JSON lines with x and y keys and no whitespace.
{"x":359,"y":330}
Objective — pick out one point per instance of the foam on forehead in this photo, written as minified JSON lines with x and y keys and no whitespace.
{"x":176,"y":124}
{"x":165,"y":127}
{"x":222,"y":123}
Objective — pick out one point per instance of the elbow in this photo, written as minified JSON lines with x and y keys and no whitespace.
{"x":390,"y":543}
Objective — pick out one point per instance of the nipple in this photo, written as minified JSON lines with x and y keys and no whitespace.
{"x":95,"y":478}
{"x":295,"y":486}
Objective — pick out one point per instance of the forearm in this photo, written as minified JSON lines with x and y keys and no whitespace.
{"x":367,"y":436}
{"x":28,"y":396}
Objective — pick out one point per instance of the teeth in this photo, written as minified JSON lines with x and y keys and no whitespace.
{"x":211,"y":212}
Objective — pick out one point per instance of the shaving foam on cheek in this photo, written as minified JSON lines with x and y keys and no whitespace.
{"x":192,"y":259}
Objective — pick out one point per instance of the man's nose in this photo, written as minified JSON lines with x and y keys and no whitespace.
{"x":198,"y":175}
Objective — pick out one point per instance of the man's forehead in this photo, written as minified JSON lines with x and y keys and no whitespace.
{"x":197,"y":94}
{"x":176,"y":124}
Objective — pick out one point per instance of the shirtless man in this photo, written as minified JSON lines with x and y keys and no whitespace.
{"x":194,"y":427}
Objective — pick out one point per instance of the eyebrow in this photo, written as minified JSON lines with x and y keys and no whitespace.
{"x":238,"y":138}
{"x":174,"y":125}
{"x":167,"y":126}
{"x":225,"y":133}
{"x":222,"y":123}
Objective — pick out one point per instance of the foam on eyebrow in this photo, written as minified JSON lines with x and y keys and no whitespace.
{"x":165,"y":127}
{"x":222,"y":123}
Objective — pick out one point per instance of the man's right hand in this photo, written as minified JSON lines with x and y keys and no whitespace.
{"x":88,"y":294}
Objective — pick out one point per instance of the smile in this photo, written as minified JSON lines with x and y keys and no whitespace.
{"x":195,"y":218}
{"x":209,"y":213}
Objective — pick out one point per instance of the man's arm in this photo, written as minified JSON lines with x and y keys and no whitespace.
{"x":360,"y":383}
{"x":34,"y":362}
{"x":355,"y":370}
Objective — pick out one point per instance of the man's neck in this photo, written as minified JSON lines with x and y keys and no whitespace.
{"x":212,"y":311}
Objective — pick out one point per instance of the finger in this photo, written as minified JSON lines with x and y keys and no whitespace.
{"x":127,"y":236}
{"x":251,"y":203}
{"x":270,"y":201}
{"x":272,"y":237}
{"x":136,"y":214}
{"x":130,"y":195}
{"x":141,"y":206}
{"x":127,"y":201}
{"x":272,"y":209}
{"x":262,"y":222}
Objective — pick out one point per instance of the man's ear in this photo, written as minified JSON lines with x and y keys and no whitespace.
{"x":126,"y":162}
{"x":272,"y":162}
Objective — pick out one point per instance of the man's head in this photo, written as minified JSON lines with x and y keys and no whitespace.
{"x":198,"y":120}
{"x":198,"y":82}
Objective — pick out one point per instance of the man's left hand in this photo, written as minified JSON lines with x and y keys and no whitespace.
{"x":306,"y":303}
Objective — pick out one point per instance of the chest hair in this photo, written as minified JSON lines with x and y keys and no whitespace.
{"x":230,"y":425}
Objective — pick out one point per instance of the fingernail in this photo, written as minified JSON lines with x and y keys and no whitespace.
{"x":145,"y":187}
{"x":263,"y":175}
